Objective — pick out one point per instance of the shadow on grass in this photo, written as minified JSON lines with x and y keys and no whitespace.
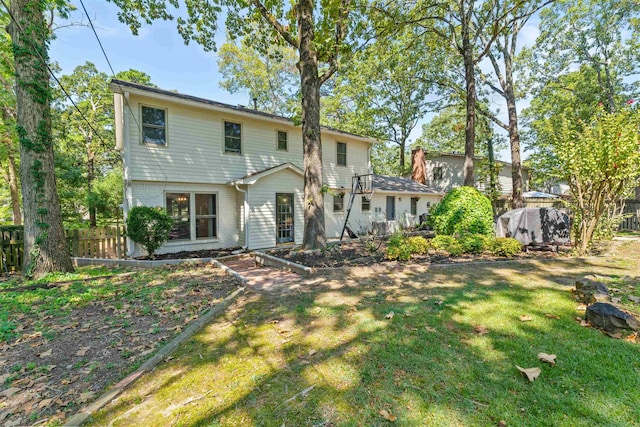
{"x":332,"y":354}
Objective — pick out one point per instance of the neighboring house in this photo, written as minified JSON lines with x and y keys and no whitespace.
{"x":444,"y":172}
{"x":229,"y":175}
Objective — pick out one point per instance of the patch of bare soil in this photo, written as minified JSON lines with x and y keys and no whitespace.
{"x":65,"y":357}
{"x":354,"y":253}
{"x":206,"y":253}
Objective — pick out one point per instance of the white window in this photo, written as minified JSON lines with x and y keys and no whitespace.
{"x":338,"y":202}
{"x":366,"y":204}
{"x":232,"y":138}
{"x":282,"y":141}
{"x":154,"y":125}
{"x":194,"y":215}
{"x":341,"y":154}
{"x":437,"y":173}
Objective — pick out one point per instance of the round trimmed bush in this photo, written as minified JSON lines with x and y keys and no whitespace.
{"x":149,"y":227}
{"x":463,"y":210}
{"x":475,"y":243}
{"x":442,"y":242}
{"x":506,"y":246}
{"x":398,"y":248}
{"x":418,"y":244}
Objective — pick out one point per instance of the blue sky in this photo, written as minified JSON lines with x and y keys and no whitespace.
{"x":159,"y":51}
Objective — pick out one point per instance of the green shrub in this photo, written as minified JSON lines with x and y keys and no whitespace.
{"x":149,"y":227}
{"x":455,"y":249}
{"x":506,"y":246}
{"x":398,"y":248}
{"x":418,"y":245}
{"x":442,"y":242}
{"x":463,"y":210}
{"x":475,"y":243}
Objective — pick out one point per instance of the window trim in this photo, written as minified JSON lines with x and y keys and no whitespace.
{"x":341,"y":195}
{"x":346,"y":160}
{"x":362,"y":209}
{"x":142,"y":125}
{"x":224,"y":137}
{"x":286,"y":134}
{"x":192,"y":217}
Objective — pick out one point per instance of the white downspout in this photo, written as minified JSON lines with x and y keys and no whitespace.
{"x":245,"y":216}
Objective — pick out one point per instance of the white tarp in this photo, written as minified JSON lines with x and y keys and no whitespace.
{"x":534,"y":226}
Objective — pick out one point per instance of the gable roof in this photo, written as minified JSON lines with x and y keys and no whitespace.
{"x":253,"y":177}
{"x":121,"y":86}
{"x":395,"y":184}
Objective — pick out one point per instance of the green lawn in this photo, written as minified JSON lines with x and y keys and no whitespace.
{"x":331,"y":354}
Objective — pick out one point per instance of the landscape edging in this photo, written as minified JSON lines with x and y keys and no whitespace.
{"x":85,"y":412}
{"x":272,"y":261}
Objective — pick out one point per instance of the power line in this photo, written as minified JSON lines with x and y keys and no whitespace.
{"x":113,"y":73}
{"x":46,"y":63}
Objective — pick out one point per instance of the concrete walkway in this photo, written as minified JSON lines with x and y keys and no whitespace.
{"x":263,"y":279}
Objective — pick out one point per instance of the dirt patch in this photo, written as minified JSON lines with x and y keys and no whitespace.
{"x":354,"y":253}
{"x":62,"y":357}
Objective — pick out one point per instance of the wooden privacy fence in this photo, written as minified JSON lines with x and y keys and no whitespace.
{"x":98,"y":242}
{"x":632,"y":216}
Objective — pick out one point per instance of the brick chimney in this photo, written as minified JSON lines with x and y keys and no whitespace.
{"x":418,"y":166}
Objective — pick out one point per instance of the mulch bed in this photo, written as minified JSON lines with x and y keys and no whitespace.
{"x":64,"y":357}
{"x":353,"y":253}
{"x":207,"y":253}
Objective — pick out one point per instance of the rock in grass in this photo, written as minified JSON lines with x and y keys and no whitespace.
{"x":611,"y":318}
{"x":589,"y":291}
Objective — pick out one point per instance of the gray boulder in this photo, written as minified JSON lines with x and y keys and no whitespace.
{"x":611,"y":318}
{"x":588,"y":291}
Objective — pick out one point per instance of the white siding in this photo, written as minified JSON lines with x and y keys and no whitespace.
{"x":453,"y":175}
{"x":195,"y":147}
{"x":262,"y":201}
{"x":360,"y":221}
{"x":153,"y":194}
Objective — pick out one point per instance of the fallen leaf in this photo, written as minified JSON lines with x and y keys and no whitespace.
{"x":312,"y":352}
{"x":531,"y":373}
{"x":480,"y":330}
{"x":390,"y":315}
{"x":502,"y":423}
{"x":430,"y":329}
{"x":616,"y":300}
{"x":408,"y":315}
{"x":439,"y":302}
{"x":634,"y":299}
{"x":387,"y":415}
{"x":548,"y":358}
{"x":584,"y":323}
{"x":552,"y":316}
{"x":10,"y":392}
{"x":617,"y":335}
{"x":86,"y":396}
{"x":635,"y":337}
{"x":44,"y":403}
{"x":82,"y":351}
{"x":525,"y":318}
{"x":46,"y":353}
{"x":582,"y":307}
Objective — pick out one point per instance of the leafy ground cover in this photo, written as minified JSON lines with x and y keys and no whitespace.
{"x":413,"y":346}
{"x":64,"y":339}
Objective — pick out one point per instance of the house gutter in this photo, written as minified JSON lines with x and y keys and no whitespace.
{"x":245,"y":216}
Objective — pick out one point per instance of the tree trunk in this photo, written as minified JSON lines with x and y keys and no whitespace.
{"x":45,"y":247}
{"x":403,"y":144}
{"x":314,"y":228}
{"x":90,"y":178}
{"x":492,"y":176}
{"x":470,"y":128}
{"x":517,"y":199}
{"x":13,"y":189}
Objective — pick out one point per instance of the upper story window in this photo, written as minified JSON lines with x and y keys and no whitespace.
{"x":341,"y":154}
{"x":154,"y":126}
{"x":437,"y":173}
{"x":232,"y":137}
{"x":282,"y":141}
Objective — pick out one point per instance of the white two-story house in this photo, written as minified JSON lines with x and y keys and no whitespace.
{"x":230,"y":175}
